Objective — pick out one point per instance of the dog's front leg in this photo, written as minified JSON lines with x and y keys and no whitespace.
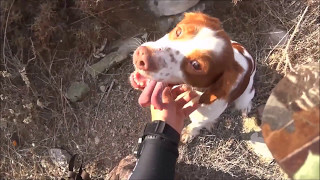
{"x":204,"y":117}
{"x":190,"y":131}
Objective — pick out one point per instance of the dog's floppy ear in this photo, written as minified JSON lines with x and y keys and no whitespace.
{"x":221,"y":88}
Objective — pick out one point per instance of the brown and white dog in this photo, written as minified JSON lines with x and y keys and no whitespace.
{"x":199,"y":53}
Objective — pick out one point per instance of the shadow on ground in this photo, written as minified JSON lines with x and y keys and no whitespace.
{"x":201,"y":172}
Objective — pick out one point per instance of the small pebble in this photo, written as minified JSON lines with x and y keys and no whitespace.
{"x":103,"y":88}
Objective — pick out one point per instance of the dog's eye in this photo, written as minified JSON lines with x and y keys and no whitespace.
{"x":178,"y":31}
{"x":196,"y":65}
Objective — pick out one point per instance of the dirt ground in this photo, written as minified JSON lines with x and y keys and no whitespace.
{"x":46,"y":45}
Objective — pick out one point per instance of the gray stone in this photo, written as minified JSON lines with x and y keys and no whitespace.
{"x":166,"y":23}
{"x":105,"y":64}
{"x":253,"y":138}
{"x":170,"y":7}
{"x":277,"y":36}
{"x":77,"y":91}
{"x":258,"y":145}
{"x":103,"y":88}
{"x":124,"y":47}
{"x":60,"y":157}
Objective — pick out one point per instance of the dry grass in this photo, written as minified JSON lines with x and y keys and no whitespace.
{"x":42,"y":52}
{"x":225,"y":159}
{"x":303,"y":33}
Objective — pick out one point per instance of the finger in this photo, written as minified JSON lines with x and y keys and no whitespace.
{"x":188,"y":110}
{"x":179,"y":90}
{"x":166,"y":96}
{"x":145,"y":97}
{"x":156,"y":98}
{"x":185,"y":99}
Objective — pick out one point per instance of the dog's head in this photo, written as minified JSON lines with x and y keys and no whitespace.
{"x":196,"y":52}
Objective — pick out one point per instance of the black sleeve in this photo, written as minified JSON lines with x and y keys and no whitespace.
{"x":158,"y":155}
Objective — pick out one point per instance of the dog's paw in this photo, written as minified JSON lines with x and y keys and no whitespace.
{"x":186,"y":136}
{"x":246,"y":110}
{"x":188,"y":133}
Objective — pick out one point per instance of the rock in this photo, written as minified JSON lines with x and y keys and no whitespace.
{"x":259,"y":146}
{"x":253,"y":136}
{"x":200,"y":7}
{"x":96,"y":140}
{"x":124,"y":168}
{"x":40,"y":104}
{"x":105,"y":63}
{"x":166,"y":23}
{"x":77,"y":91}
{"x":123,"y":48}
{"x":60,"y":157}
{"x":290,"y":121}
{"x":277,"y":36}
{"x":103,"y":88}
{"x":170,"y":7}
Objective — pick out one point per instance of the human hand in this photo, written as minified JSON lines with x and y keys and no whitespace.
{"x":164,"y":105}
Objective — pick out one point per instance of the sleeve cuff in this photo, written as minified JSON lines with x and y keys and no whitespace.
{"x":164,"y":130}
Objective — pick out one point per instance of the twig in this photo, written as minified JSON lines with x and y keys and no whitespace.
{"x":33,"y":52}
{"x":109,"y":90}
{"x":286,"y":50}
{"x":285,"y":36}
{"x":92,"y":15}
{"x":5,"y":36}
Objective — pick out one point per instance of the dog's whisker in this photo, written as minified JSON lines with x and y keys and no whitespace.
{"x":137,"y":44}
{"x":134,"y":45}
{"x":154,"y":37}
{"x":148,"y":35}
{"x":138,"y":40}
